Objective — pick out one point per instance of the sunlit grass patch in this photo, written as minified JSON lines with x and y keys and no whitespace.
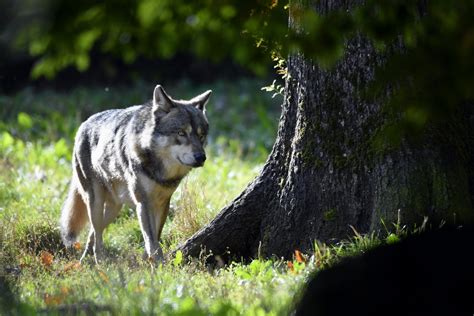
{"x":263,"y":287}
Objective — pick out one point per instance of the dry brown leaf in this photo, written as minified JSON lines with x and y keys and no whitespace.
{"x":299,"y":257}
{"x":46,"y":258}
{"x":290,"y":266}
{"x":77,"y":245}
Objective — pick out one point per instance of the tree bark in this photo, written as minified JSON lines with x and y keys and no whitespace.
{"x":324,"y":175}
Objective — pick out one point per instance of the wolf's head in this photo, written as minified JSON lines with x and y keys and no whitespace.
{"x":180,"y":128}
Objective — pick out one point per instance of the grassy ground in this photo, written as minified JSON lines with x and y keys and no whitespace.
{"x":38,"y":275}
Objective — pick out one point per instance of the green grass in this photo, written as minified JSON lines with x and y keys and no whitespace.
{"x":36,"y":136}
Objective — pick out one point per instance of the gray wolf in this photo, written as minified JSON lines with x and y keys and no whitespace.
{"x":431,"y":273}
{"x":137,"y":156}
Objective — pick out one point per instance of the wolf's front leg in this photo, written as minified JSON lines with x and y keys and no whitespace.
{"x":146,"y":219}
{"x":162,"y":207}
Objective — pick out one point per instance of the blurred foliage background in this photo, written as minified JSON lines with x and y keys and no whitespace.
{"x":171,"y":37}
{"x":428,"y":44}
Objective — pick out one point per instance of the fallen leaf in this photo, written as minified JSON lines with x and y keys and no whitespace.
{"x":299,"y":257}
{"x":77,"y":245}
{"x":290,"y":266}
{"x":46,"y":258}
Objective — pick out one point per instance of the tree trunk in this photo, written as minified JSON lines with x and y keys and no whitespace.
{"x":324,"y":175}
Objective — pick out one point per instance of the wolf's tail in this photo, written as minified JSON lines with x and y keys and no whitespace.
{"x":73,"y":215}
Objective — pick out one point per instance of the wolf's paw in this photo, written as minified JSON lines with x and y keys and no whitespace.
{"x":155,"y":258}
{"x":96,"y":258}
{"x":99,"y":258}
{"x":87,"y":261}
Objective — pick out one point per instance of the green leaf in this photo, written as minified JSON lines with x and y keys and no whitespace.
{"x":6,"y":141}
{"x":86,"y":39}
{"x":46,"y":67}
{"x":392,"y":238}
{"x":82,"y":62}
{"x":61,"y":149}
{"x":24,"y":121}
{"x":228,"y":11}
{"x":178,"y":259}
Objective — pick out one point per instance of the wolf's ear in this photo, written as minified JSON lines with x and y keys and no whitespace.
{"x":161,"y":100}
{"x":201,"y":100}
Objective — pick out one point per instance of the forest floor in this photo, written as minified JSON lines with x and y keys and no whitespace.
{"x":38,"y":276}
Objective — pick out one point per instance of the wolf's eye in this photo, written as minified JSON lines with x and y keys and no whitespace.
{"x":181,"y":133}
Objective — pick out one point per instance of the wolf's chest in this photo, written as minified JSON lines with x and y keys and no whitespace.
{"x":121,"y":194}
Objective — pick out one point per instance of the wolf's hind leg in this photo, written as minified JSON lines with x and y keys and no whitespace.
{"x":111,"y":210}
{"x":95,"y":208}
{"x":89,"y":248}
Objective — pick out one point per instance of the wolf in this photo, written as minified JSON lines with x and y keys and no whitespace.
{"x":135,"y":156}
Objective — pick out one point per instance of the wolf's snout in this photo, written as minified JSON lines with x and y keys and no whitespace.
{"x":199,"y":158}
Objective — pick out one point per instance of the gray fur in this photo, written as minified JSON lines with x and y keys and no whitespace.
{"x":136,"y":155}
